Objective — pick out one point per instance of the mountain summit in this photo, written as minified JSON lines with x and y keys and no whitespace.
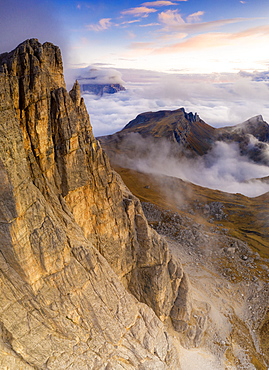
{"x":186,"y":129}
{"x":191,"y":136}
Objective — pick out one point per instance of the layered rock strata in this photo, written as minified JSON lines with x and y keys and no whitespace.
{"x":74,"y":242}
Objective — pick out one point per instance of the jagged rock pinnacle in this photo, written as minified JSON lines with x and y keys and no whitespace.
{"x":75,"y":94}
{"x":72,"y":235}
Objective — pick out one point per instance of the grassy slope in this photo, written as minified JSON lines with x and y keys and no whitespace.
{"x":247,"y":218}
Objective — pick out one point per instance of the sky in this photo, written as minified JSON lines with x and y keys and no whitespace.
{"x":189,"y":36}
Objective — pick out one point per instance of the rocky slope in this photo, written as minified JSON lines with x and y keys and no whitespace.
{"x":85,"y":282}
{"x":221,"y":238}
{"x":186,"y":130}
{"x":222,"y":241}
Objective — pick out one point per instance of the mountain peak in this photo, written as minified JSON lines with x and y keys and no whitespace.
{"x":192,"y":117}
{"x":179,"y":114}
{"x":35,"y":68}
{"x":254,"y":126}
{"x":185,"y":130}
{"x":256,"y":120}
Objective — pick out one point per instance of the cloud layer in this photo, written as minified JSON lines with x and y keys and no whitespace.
{"x":219,"y":99}
{"x":95,"y":75}
{"x":223,"y":168}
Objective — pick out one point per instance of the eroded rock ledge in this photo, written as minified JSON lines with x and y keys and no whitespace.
{"x":74,"y":241}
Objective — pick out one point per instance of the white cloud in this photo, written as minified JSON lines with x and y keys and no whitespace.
{"x":112,"y":112}
{"x":223,"y":168}
{"x":195,"y":17}
{"x":95,"y":75}
{"x":102,"y":25}
{"x":219,"y":99}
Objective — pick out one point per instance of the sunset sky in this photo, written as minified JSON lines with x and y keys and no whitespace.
{"x":188,"y":36}
{"x":208,"y":56}
{"x":200,"y":36}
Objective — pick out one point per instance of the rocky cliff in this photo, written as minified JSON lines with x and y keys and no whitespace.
{"x":85,"y":282}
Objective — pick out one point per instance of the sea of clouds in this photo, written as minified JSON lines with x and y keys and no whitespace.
{"x":223,"y":168}
{"x":219,"y":99}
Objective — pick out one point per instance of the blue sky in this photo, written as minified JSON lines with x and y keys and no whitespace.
{"x":189,"y":36}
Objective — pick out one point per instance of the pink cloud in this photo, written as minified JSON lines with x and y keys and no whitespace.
{"x":149,"y":25}
{"x":254,"y":31}
{"x":141,"y":10}
{"x":171,"y":18}
{"x":130,"y":22}
{"x":173,"y":36}
{"x":197,"y":42}
{"x":159,"y":3}
{"x":131,"y":35}
{"x":173,"y":21}
{"x":141,"y":46}
{"x":211,"y":40}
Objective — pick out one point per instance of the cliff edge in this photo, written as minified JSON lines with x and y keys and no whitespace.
{"x":85,"y":282}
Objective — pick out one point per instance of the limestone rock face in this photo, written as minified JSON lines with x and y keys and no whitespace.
{"x":74,"y":242}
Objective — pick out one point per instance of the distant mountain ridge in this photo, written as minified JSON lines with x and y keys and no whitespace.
{"x":193,"y":136}
{"x":252,"y":137}
{"x":100,"y":82}
{"x":186,"y":129}
{"x":101,"y":89}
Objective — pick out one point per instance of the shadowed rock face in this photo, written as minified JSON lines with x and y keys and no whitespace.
{"x":74,"y":242}
{"x":101,"y":89}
